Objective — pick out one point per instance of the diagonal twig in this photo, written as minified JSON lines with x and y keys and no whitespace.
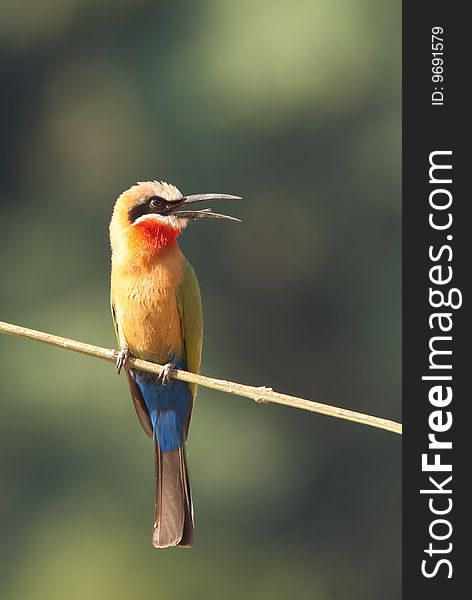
{"x":259,"y":394}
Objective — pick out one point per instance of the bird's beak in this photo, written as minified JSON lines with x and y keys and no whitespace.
{"x":205,"y":213}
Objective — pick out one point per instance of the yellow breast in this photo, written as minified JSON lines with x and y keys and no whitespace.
{"x":144,"y":296}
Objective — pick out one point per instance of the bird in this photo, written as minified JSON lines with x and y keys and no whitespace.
{"x":157,"y":313}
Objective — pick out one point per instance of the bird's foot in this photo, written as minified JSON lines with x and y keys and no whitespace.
{"x":122,"y":358}
{"x":164,"y":376}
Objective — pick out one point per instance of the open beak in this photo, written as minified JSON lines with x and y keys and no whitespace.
{"x":205,"y":213}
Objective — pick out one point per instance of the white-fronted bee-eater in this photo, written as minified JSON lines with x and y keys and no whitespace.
{"x":157,"y":313}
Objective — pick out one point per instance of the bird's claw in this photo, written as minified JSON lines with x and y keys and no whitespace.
{"x":122,"y":358}
{"x":164,"y":376}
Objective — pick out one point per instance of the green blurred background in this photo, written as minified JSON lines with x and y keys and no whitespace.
{"x":295,"y":106}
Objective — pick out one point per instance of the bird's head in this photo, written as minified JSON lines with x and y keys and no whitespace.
{"x":152,"y":214}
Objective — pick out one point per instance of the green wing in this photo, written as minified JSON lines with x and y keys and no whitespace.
{"x":138,"y":400}
{"x":191,"y":321}
{"x":113,"y":316}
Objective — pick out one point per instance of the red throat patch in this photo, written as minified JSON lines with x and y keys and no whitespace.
{"x":155,"y":234}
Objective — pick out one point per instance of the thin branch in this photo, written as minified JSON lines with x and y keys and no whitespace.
{"x":259,"y":394}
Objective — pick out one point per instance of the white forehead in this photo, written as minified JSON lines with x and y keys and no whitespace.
{"x":157,"y":188}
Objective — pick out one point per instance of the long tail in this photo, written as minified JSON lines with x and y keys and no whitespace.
{"x":173,"y":525}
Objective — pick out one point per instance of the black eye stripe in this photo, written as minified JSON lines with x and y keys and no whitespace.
{"x":153,"y":205}
{"x":138,"y":211}
{"x":157,"y":202}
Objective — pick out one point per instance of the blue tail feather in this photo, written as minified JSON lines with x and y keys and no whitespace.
{"x":168,"y":405}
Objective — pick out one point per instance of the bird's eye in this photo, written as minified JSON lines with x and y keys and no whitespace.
{"x":157,"y":203}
